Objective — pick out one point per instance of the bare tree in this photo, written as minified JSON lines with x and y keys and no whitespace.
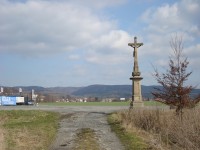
{"x":173,"y":90}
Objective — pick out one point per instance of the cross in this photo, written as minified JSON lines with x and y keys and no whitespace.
{"x":136,"y":87}
{"x":135,"y":45}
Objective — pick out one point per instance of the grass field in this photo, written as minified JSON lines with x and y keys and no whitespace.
{"x":127,"y":103}
{"x":86,"y":104}
{"x":31,"y":130}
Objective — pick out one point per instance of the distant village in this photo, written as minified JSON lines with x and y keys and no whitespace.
{"x":14,"y":96}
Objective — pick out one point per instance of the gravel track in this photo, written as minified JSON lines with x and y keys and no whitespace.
{"x":75,"y":118}
{"x":96,"y":121}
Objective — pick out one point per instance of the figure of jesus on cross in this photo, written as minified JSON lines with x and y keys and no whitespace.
{"x":135,"y":45}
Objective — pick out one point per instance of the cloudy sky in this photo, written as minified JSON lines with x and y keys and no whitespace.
{"x":82,"y":42}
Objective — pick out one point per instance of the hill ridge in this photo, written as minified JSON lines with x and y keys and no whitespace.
{"x":95,"y":90}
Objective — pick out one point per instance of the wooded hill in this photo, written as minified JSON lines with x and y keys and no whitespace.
{"x":101,"y":91}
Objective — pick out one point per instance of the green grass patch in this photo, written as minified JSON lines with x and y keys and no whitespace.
{"x":86,"y":103}
{"x":153,"y":103}
{"x":32,"y":130}
{"x":130,"y":140}
{"x":126,"y":103}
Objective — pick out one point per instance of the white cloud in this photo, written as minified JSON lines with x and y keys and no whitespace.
{"x":164,"y":22}
{"x":98,"y":4}
{"x":166,"y":18}
{"x":114,"y":40}
{"x":193,"y":54}
{"x":181,"y":18}
{"x":111,"y":48}
{"x":74,"y":57}
{"x":37,"y":26}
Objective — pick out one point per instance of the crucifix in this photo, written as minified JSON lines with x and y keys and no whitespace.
{"x":136,"y":78}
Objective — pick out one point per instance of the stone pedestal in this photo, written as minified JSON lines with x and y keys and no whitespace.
{"x":137,"y":95}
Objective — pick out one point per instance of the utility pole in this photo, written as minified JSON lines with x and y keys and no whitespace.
{"x":136,"y":78}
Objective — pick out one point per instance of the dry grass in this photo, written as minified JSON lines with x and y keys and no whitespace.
{"x":86,"y":140}
{"x":28,"y":130}
{"x":163,"y":129}
{"x":2,"y":145}
{"x":129,"y":138}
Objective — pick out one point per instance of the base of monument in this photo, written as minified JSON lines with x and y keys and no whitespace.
{"x":138,"y":104}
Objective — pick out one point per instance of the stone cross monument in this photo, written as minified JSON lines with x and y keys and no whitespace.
{"x":136,"y":78}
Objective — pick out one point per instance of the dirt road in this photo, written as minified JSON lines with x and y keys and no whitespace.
{"x":75,"y":119}
{"x":71,"y":126}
